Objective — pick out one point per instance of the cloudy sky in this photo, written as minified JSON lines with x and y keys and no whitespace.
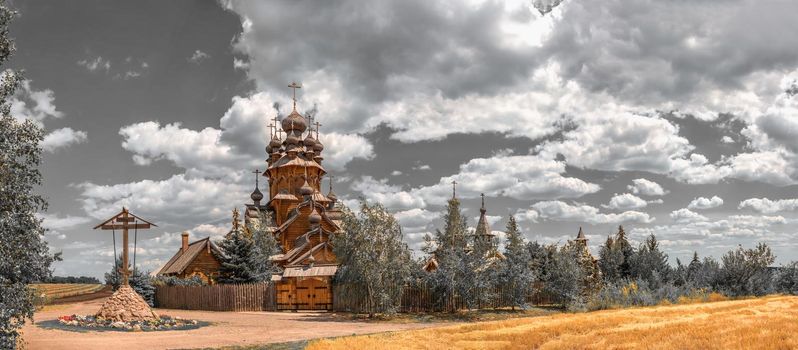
{"x":677,"y":118}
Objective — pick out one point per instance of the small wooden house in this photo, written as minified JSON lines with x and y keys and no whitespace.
{"x":200,"y":258}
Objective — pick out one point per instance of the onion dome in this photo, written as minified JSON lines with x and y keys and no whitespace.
{"x":318,"y":147}
{"x":275,"y":144}
{"x":306,"y":190}
{"x":256,"y":195}
{"x":294,"y":122}
{"x":314,"y":217}
{"x":309,"y":143}
{"x":292,"y":140}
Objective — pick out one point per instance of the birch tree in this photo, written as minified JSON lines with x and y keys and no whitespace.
{"x":24,"y":255}
{"x":373,"y":259}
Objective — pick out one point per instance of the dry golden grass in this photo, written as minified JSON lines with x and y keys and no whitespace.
{"x":764,"y":323}
{"x":61,"y":290}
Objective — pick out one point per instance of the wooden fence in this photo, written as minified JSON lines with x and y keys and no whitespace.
{"x":425,"y":299}
{"x":220,"y":297}
{"x":262,"y":297}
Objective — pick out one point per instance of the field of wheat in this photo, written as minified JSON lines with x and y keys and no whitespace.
{"x":763,"y":323}
{"x":51,"y":291}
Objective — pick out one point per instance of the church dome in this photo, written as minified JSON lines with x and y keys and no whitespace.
{"x":314,"y":217}
{"x":306,"y":190}
{"x":309,"y":142}
{"x":292,"y":140}
{"x":294,"y":122}
{"x":256,"y":195}
{"x":317,"y":146}
{"x":275,"y":144}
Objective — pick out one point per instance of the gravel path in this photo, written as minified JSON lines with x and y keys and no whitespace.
{"x":228,"y":328}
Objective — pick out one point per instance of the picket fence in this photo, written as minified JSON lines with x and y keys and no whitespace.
{"x":262,"y":297}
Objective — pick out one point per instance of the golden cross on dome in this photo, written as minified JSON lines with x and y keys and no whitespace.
{"x":294,"y":86}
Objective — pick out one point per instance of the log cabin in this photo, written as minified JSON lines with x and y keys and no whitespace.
{"x":199,"y":258}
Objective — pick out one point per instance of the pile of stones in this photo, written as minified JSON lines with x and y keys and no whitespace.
{"x":126,"y":310}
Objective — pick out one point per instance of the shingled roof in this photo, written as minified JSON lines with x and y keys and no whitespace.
{"x":178,"y":263}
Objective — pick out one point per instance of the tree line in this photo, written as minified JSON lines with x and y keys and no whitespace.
{"x":374,"y":258}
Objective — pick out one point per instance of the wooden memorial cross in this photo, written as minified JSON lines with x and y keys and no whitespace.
{"x":124,"y":221}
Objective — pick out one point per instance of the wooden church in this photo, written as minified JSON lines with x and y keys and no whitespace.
{"x":303,"y":217}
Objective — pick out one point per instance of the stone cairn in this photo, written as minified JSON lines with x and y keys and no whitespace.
{"x":126,"y":305}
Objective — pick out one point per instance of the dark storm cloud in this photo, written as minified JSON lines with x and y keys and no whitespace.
{"x":456,"y":49}
{"x":645,"y":50}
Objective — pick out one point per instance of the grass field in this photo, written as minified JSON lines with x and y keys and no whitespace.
{"x":53,"y":291}
{"x":764,"y":323}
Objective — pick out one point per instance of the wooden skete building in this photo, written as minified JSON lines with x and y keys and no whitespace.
{"x":303,"y":217}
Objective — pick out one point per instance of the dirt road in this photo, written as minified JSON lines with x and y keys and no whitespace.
{"x":228,"y":328}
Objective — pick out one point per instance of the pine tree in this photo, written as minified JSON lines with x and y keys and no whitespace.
{"x":24,"y":255}
{"x":610,"y":260}
{"x":456,"y":275}
{"x":516,"y":272}
{"x":649,"y":263}
{"x":241,"y":262}
{"x":261,"y":232}
{"x":693,"y":267}
{"x":626,"y":251}
{"x":566,"y":276}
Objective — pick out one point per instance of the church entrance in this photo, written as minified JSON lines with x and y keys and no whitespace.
{"x":308,"y":293}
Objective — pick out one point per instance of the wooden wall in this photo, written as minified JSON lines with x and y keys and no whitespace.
{"x":220,"y":297}
{"x":423,"y":299}
{"x":205,"y":265}
{"x":262,"y":297}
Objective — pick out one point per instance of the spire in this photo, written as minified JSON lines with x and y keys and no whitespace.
{"x":331,"y":195}
{"x":294,"y":86}
{"x":483,"y":228}
{"x":580,"y":237}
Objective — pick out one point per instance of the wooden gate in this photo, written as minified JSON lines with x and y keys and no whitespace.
{"x":285,"y":296}
{"x":311,"y":293}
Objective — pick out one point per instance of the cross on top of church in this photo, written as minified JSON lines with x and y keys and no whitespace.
{"x":310,"y":123}
{"x":317,"y":129}
{"x":256,"y":172}
{"x":454,"y":189}
{"x":271,"y":130}
{"x":294,"y":86}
